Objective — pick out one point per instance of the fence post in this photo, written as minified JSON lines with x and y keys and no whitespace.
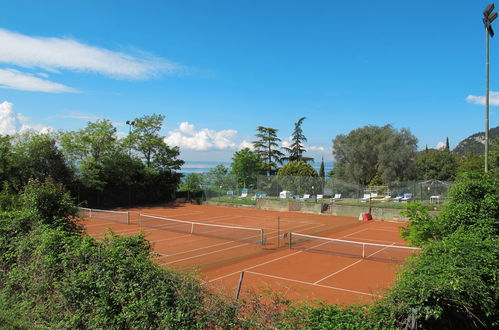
{"x":239,"y":284}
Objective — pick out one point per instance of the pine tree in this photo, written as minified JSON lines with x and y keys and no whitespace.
{"x":266,"y":148}
{"x":447,"y":144}
{"x":296,"y":149}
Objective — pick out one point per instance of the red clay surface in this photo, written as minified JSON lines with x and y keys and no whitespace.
{"x":298,"y":275}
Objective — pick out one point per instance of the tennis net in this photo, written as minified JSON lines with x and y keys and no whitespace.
{"x":231,"y":233}
{"x":114,"y":216}
{"x":379,"y":252}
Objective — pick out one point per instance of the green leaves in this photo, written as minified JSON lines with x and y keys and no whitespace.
{"x":373,"y":152}
{"x":246,"y":165}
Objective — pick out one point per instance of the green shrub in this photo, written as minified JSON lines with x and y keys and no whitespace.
{"x":451,"y":285}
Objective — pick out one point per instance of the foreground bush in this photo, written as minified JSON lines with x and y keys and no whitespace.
{"x":53,"y":277}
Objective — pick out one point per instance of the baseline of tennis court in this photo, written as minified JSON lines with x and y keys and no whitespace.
{"x":221,"y":254}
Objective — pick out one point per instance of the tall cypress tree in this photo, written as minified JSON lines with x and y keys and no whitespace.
{"x":322,"y":172}
{"x":447,"y":144}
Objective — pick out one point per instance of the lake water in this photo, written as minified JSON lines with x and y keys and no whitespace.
{"x":206,"y":166}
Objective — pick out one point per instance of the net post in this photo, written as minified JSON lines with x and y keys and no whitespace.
{"x":290,"y":239}
{"x":363,"y":250}
{"x":90,"y":211}
{"x":128,"y":218}
{"x":192,"y":228}
{"x":138,"y":221}
{"x":262,"y":238}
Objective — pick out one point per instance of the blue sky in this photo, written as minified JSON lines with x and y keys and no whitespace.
{"x":219,"y":69}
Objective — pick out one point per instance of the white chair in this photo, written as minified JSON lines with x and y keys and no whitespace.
{"x":305,"y":197}
{"x":244,"y":193}
{"x":336,"y":197}
{"x":284,"y":194}
{"x":406,"y":197}
{"x":365,"y":198}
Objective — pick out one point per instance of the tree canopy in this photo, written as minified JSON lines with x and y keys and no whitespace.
{"x":267,"y":148}
{"x":297,"y":168}
{"x":373,"y":153}
{"x":434,"y":164}
{"x":246,"y":165}
{"x":296,"y":149}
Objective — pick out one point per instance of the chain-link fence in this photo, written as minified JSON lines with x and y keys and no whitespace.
{"x":229,"y":187}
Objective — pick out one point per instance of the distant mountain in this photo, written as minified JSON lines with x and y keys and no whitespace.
{"x":474,"y":144}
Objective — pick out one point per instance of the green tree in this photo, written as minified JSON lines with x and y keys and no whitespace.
{"x":470,"y":163}
{"x":5,"y":158}
{"x":297,"y":168}
{"x":299,"y":177}
{"x":447,"y":148}
{"x":296,"y":149}
{"x":97,"y":140}
{"x":192,"y":182}
{"x":372,"y":153}
{"x":246,"y":166}
{"x":145,"y":137}
{"x":217,"y":177}
{"x":36,"y":156}
{"x":322,"y":172}
{"x":266,"y":148}
{"x":435,"y":164}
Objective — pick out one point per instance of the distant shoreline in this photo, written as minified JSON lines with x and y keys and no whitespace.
{"x":199,"y":166}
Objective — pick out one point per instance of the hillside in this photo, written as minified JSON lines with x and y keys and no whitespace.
{"x":474,"y":144}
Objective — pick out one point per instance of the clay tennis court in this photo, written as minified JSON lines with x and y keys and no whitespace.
{"x":221,"y":242}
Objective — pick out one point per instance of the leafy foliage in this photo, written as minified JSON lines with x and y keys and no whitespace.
{"x":453,"y":284}
{"x":51,"y":276}
{"x":246,"y":165}
{"x":434,"y":164}
{"x":108,"y":173}
{"x":371,"y":153}
{"x":192,"y":182}
{"x":297,"y":168}
{"x":334,"y":317}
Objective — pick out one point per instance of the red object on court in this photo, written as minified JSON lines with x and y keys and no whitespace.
{"x":367,"y":217}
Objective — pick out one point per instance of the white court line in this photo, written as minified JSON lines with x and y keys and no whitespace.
{"x":200,"y":255}
{"x":360,"y":231}
{"x":260,"y":264}
{"x":389,"y":230}
{"x":345,"y":268}
{"x":314,"y":284}
{"x":109,"y":222}
{"x":204,"y":254}
{"x":338,"y":271}
{"x":201,"y":248}
{"x":376,"y":240}
{"x":264,"y":263}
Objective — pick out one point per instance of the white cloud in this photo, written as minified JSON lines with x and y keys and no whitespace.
{"x":246,"y":144}
{"x":80,"y":116}
{"x":55,"y":54}
{"x":12,"y":122}
{"x":13,"y":79}
{"x":440,"y":145}
{"x":186,"y":136}
{"x":315,"y":148}
{"x":493,"y":99}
